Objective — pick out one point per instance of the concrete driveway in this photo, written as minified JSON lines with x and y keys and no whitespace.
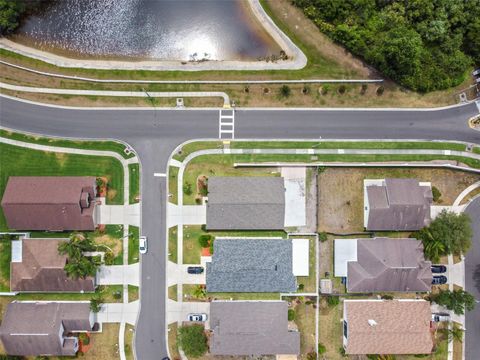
{"x":186,"y":214}
{"x":178,"y":311}
{"x":119,"y":275}
{"x":177,"y":274}
{"x":119,"y":214}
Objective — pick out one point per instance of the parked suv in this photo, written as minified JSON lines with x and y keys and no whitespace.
{"x":439,"y":280}
{"x":197,"y":317}
{"x":195,"y":269}
{"x":439,"y":269}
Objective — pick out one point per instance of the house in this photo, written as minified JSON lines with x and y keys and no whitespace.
{"x":50,"y":203}
{"x":44,"y":328}
{"x":396,"y":204}
{"x":252,"y":328}
{"x":246,"y":203}
{"x":387,"y":327}
{"x":37,"y":266}
{"x":383,"y":264}
{"x":251,"y":265}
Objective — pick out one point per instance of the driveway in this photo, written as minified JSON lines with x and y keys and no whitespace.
{"x":119,"y":214}
{"x":178,"y":311}
{"x":119,"y":275}
{"x":472,"y":284}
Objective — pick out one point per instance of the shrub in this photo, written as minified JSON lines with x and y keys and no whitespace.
{"x":266,"y":90}
{"x":322,"y":236}
{"x":333,"y":300}
{"x":301,"y":287}
{"x":84,"y":338}
{"x":187,"y":188}
{"x":325,"y":89}
{"x":246,"y":89}
{"x":387,"y":297}
{"x":312,"y":355}
{"x":285,"y":91}
{"x":96,"y":304}
{"x":380,"y":90}
{"x":117,"y":295}
{"x":211,"y":244}
{"x":306,"y":90}
{"x":204,"y":240}
{"x":364,"y":88}
{"x":321,"y":349}
{"x":109,"y":258}
{"x":436,"y":194}
{"x":341,"y":350}
{"x":192,"y":340}
{"x":204,"y":227}
{"x":99,"y":182}
{"x":291,"y":314}
{"x":342,"y":89}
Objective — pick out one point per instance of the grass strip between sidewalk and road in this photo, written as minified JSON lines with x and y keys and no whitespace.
{"x":133,"y":243}
{"x":134,"y":176}
{"x":100,"y":145}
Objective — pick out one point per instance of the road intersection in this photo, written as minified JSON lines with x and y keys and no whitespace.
{"x":154,"y":134}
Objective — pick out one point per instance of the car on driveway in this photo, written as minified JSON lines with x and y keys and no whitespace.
{"x":197,"y":317}
{"x":439,"y":280}
{"x":439,"y":269}
{"x":195,"y":269}
{"x":142,"y":245}
{"x":438,"y":317}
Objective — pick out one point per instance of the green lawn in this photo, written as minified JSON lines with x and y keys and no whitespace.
{"x":5,"y":258}
{"x":346,"y":145}
{"x":27,"y":162}
{"x":114,"y":146}
{"x":172,"y":292}
{"x":134,"y":189}
{"x":132,"y":293}
{"x":129,"y":332}
{"x":173,"y":184}
{"x":188,"y":289}
{"x":305,"y":320}
{"x":110,"y":239}
{"x":172,"y":244}
{"x":476,"y":150}
{"x":191,"y":147}
{"x":133,"y":239}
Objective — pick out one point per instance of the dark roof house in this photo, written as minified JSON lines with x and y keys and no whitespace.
{"x":252,"y":328}
{"x":389,"y":265}
{"x":38,"y":267}
{"x":246,"y":203}
{"x":387,"y":327}
{"x":251,"y":265}
{"x":51,"y":203}
{"x":44,"y":328}
{"x":397,"y":204}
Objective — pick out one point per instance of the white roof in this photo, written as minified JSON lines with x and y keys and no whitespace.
{"x":17,"y":251}
{"x":345,"y":251}
{"x":300,"y":258}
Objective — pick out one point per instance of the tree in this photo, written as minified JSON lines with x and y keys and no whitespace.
{"x":192,"y":340}
{"x":199,"y":292}
{"x":96,"y":304}
{"x":204,"y":240}
{"x":449,"y":233}
{"x":455,"y":333}
{"x":456,"y":300}
{"x":10,"y":11}
{"x":78,"y":265}
{"x":285,"y":91}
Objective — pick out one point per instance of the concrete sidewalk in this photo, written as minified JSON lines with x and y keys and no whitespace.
{"x":119,"y":275}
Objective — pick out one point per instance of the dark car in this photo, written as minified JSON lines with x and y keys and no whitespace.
{"x":195,"y":269}
{"x":439,"y":269}
{"x":439,"y":280}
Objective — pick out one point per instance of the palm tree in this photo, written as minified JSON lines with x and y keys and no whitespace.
{"x":78,"y":265}
{"x":455,"y":333}
{"x":433,"y":248}
{"x":199,"y":292}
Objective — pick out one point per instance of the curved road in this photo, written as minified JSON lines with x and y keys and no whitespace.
{"x":155,"y":133}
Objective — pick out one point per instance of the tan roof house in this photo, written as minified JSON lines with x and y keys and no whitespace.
{"x":396,"y":204}
{"x":37,"y":266}
{"x":44,"y":328}
{"x":50,"y":203}
{"x":387,"y":327}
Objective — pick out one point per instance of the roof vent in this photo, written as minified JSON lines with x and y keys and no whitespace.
{"x":372,"y":322}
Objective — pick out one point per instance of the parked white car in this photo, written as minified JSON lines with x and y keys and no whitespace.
{"x":142,"y":245}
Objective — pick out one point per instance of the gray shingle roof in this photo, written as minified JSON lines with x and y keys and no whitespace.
{"x":251,"y":265}
{"x":246,"y":203}
{"x":33,"y":328}
{"x":401,"y":204}
{"x":251,"y":328}
{"x":389,"y":265}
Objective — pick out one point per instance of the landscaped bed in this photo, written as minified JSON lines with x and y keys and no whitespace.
{"x":18,"y":161}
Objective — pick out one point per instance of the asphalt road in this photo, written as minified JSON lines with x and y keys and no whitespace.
{"x":472,"y":284}
{"x":155,"y":134}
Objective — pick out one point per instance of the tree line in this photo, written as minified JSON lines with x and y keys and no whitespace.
{"x":424,"y":45}
{"x":11,"y":12}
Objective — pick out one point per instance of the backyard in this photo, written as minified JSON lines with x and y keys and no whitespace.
{"x":17,"y":161}
{"x":341,"y":192}
{"x":305,"y":320}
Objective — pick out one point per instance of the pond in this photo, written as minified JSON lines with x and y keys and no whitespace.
{"x":186,"y":30}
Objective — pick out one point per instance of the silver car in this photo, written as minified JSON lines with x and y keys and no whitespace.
{"x":142,"y":245}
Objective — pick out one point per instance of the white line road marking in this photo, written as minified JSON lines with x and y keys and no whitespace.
{"x":159,"y":175}
{"x":226,"y":123}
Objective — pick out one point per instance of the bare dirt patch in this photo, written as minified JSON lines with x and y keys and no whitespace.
{"x":341,"y":192}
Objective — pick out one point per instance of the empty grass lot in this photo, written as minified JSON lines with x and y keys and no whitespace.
{"x":134,"y":189}
{"x":18,"y":161}
{"x":114,"y":146}
{"x":133,"y":238}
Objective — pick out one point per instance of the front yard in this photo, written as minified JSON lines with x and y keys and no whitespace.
{"x":17,"y":161}
{"x":341,"y":192}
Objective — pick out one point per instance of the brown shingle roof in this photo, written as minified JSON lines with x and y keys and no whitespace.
{"x":400,"y":204}
{"x":388,"y":327}
{"x":41,"y":269}
{"x":385,"y":264}
{"x":49,"y":203}
{"x":33,"y":328}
